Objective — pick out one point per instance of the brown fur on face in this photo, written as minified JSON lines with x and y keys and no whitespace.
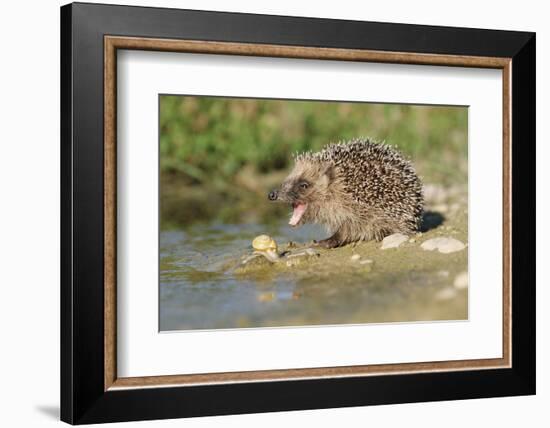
{"x":359,"y":190}
{"x":318,"y":185}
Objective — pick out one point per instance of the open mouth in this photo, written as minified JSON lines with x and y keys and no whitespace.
{"x":298,"y":210}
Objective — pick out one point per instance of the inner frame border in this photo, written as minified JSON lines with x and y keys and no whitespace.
{"x":113,"y":43}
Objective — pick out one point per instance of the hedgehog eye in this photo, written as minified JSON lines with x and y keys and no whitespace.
{"x":304,"y":185}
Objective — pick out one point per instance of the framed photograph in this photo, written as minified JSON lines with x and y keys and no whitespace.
{"x":265,"y":213}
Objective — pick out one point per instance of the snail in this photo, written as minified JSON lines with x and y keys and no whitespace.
{"x":266,"y":246}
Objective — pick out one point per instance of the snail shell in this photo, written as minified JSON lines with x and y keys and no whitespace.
{"x":264,"y":243}
{"x":266,"y":246}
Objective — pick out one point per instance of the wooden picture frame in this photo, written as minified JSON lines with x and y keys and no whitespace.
{"x":91,"y":390}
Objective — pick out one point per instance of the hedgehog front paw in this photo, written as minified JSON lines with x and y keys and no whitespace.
{"x":332,"y":242}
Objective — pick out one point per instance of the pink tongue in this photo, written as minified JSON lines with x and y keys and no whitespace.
{"x":297,"y":214}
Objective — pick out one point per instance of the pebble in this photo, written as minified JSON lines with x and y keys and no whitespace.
{"x":461,"y":281}
{"x":366,"y":262}
{"x":307,"y":252}
{"x":296,"y":295}
{"x":393,"y":241}
{"x":446,"y":294}
{"x":355,"y":257}
{"x":266,"y":297}
{"x":443,"y":245}
{"x":293,"y":262}
{"x":412,"y":240}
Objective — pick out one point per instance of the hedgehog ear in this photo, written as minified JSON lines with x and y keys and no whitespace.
{"x":327,"y":175}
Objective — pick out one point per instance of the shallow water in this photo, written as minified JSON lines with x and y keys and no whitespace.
{"x":200,"y":288}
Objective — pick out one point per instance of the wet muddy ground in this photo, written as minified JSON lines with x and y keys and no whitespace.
{"x":204,"y":285}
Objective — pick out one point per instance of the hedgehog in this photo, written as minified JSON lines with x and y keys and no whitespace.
{"x":359,"y":190}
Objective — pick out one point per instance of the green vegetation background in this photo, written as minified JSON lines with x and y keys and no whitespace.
{"x":219,"y":156}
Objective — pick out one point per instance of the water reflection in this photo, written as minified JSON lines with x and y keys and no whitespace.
{"x":199,"y":289}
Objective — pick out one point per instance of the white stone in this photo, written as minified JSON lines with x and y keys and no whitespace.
{"x":366,"y":262}
{"x":445,"y":294}
{"x":461,"y":281}
{"x":393,"y":241}
{"x":355,"y":257}
{"x":443,"y":245}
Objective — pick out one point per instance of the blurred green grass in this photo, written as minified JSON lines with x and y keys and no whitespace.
{"x":201,"y":136}
{"x":226,"y":146}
